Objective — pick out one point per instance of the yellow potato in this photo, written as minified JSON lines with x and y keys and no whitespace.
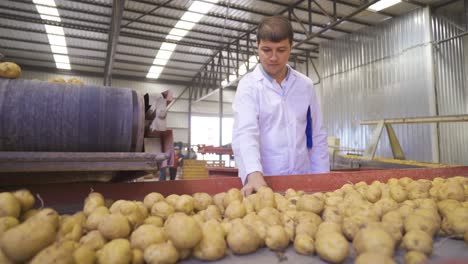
{"x":93,"y":240}
{"x":256,"y":223}
{"x":9,"y":205}
{"x":9,"y":70}
{"x":130,"y":210}
{"x":57,"y":80}
{"x":152,"y":198}
{"x":304,"y":244}
{"x":235,"y":209}
{"x":183,"y":230}
{"x":25,"y":198}
{"x":146,"y":235}
{"x":457,"y":222}
{"x":374,"y":239}
{"x":161,"y":253}
{"x":302,"y":216}
{"x":48,"y":215}
{"x":75,"y":81}
{"x":22,"y":242}
{"x":332,"y":214}
{"x":265,"y":198}
{"x":172,"y":199}
{"x":154,"y":220}
{"x":398,"y":193}
{"x":328,"y":227}
{"x":232,"y":195}
{"x":385,"y":205}
{"x":162,"y":209}
{"x":212,"y":246}
{"x":114,"y":226}
{"x":242,"y":239}
{"x":4,"y":259}
{"x":6,"y":223}
{"x":373,"y":193}
{"x":276,"y":238}
{"x":306,"y":228}
{"x":93,"y":201}
{"x":415,"y":257}
{"x":84,"y":255}
{"x":143,"y":210}
{"x":71,"y":228}
{"x":185,"y":204}
{"x":202,"y":201}
{"x":28,"y":214}
{"x":270,"y":216}
{"x":60,"y":252}
{"x":218,"y":200}
{"x":420,"y":222}
{"x":417,"y":240}
{"x":96,"y":216}
{"x":332,"y":247}
{"x":373,"y":257}
{"x":212,"y":212}
{"x":184,"y":253}
{"x":310,"y":203}
{"x":117,"y":251}
{"x":451,"y":190}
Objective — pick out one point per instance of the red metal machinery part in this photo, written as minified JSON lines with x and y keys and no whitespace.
{"x":75,"y":193}
{"x":203,"y":149}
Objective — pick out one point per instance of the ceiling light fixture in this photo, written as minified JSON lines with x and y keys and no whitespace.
{"x":382,"y":4}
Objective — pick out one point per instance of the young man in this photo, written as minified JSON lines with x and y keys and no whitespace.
{"x":277,"y":119}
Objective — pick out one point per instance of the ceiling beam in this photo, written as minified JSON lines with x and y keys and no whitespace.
{"x":113,"y":39}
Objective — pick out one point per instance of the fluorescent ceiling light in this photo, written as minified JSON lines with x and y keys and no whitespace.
{"x":200,"y":7}
{"x":156,"y":69}
{"x":176,"y":38}
{"x":54,"y":30}
{"x":61,"y":58}
{"x":168,"y":46}
{"x":56,"y":40}
{"x":184,"y":25}
{"x":51,"y":18}
{"x":44,"y":2}
{"x":382,"y":4}
{"x":65,"y":66}
{"x":178,"y":32}
{"x":164,"y":54}
{"x":152,"y":75}
{"x":46,"y":10}
{"x":192,"y":17}
{"x":59,"y":49}
{"x":161,"y":62}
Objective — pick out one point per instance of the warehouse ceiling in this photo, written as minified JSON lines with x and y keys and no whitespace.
{"x":122,"y":38}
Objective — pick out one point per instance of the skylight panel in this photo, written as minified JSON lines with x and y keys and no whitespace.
{"x":382,"y":4}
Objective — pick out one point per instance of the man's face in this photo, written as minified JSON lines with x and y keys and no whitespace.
{"x":274,"y":56}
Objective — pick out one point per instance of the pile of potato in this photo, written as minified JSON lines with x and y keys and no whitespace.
{"x":376,"y":218}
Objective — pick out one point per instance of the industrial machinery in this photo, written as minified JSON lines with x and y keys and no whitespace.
{"x":55,"y":132}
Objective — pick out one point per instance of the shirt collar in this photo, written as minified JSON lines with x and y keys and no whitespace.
{"x":271,"y":79}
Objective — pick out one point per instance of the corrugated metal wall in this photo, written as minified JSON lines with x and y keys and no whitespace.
{"x":452,"y":92}
{"x":378,"y":73}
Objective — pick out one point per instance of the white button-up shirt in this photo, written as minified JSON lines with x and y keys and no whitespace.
{"x":270,"y":123}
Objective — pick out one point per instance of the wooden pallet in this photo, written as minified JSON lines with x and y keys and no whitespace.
{"x":194,"y":169}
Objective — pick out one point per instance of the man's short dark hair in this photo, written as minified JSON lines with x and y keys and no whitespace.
{"x":275,"y":29}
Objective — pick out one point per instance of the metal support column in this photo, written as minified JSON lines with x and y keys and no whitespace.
{"x":189,"y":138}
{"x":466,"y":14}
{"x":113,"y":39}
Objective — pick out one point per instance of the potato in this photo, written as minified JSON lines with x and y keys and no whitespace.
{"x":75,"y":81}
{"x":201,"y":201}
{"x":249,"y":203}
{"x":130,"y":210}
{"x":9,"y":205}
{"x":146,"y":235}
{"x":184,"y":253}
{"x":28,"y":214}
{"x":172,"y":199}
{"x":302,"y":216}
{"x":137,"y":256}
{"x":25,"y":198}
{"x":270,"y":216}
{"x":276,"y":238}
{"x":242,"y":239}
{"x":394,"y":217}
{"x":152,"y":198}
{"x":332,"y":214}
{"x":373,"y":193}
{"x":290,"y":193}
{"x":184,"y":204}
{"x":405,"y":210}
{"x":332,"y":247}
{"x":327,"y":227}
{"x":154,"y":220}
{"x":84,"y":255}
{"x":93,"y":201}
{"x":415,"y":257}
{"x":457,"y":222}
{"x":447,"y":206}
{"x":398,"y":193}
{"x":333,"y":200}
{"x":290,"y":228}
{"x":218,"y":200}
{"x":48,"y":215}
{"x":405,"y":181}
{"x":199,"y":218}
{"x":57,"y":80}
{"x":115,"y":252}
{"x":6,"y":223}
{"x":451,"y":190}
{"x":265,"y":198}
{"x":232,"y":195}
{"x":310,"y":203}
{"x":385,"y":205}
{"x":114,"y":226}
{"x":256,"y":223}
{"x":235,"y":209}
{"x":143,"y":210}
{"x":373,"y":257}
{"x":183,"y":231}
{"x":9,"y":70}
{"x":212,"y":246}
{"x":418,"y":240}
{"x":22,"y":242}
{"x":61,"y":252}
{"x":93,"y":220}
{"x":161,"y":253}
{"x":351,"y":225}
{"x":419,"y":222}
{"x":374,"y":239}
{"x":4,"y":259}
{"x":304,"y":244}
{"x":212,"y":212}
{"x":93,"y":240}
{"x":226,"y":225}
{"x":71,"y":227}
{"x":162,"y":209}
{"x":306,"y":228}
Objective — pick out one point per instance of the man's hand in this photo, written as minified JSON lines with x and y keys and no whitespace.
{"x":254,"y":180}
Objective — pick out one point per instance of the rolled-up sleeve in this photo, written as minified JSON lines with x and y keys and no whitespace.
{"x":318,"y":154}
{"x":245,"y":134}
